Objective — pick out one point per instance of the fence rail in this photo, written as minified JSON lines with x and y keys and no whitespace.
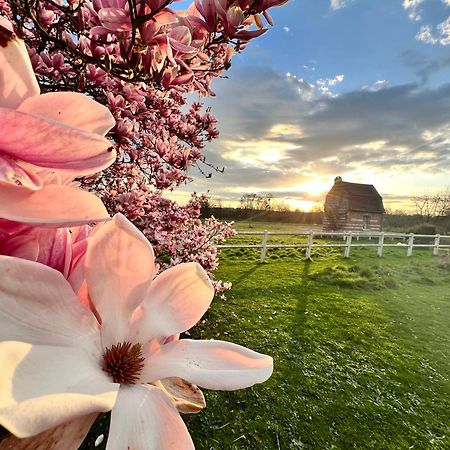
{"x":350,"y":239}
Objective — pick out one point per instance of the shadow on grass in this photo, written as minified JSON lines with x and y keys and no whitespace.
{"x":247,"y":274}
{"x":300,"y":313}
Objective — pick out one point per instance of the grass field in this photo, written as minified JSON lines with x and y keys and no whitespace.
{"x":248,"y":225}
{"x":361,"y":349}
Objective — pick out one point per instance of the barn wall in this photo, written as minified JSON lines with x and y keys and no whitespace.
{"x":355,"y":221}
{"x":340,"y":219}
{"x":335,"y":217}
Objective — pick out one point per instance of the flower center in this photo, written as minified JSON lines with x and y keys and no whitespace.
{"x":123,"y":362}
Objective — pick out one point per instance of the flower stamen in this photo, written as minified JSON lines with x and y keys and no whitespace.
{"x":123,"y":362}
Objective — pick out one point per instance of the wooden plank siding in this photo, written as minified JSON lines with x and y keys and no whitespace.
{"x":353,"y":221}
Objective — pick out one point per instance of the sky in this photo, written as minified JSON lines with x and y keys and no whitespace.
{"x":352,"y":88}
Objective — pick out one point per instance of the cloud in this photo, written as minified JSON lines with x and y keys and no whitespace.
{"x":273,"y":136}
{"x":425,"y":34}
{"x":412,"y":7}
{"x":324,"y":84}
{"x":441,"y":34}
{"x":339,"y":4}
{"x":321,"y":87}
{"x":377,"y":86}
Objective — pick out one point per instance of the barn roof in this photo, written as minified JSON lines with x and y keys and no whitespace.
{"x":360,"y":197}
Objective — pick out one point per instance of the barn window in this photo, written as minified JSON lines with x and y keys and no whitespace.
{"x":366,"y":222}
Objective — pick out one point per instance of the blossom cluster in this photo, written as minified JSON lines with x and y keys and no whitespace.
{"x":176,"y":231}
{"x":88,"y":322}
{"x":141,"y":58}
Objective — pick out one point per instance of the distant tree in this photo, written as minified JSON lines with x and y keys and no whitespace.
{"x":256,"y":201}
{"x":430,"y":205}
{"x":207,"y":203}
{"x":280,"y":206}
{"x":396,"y":212}
{"x":318,"y":207}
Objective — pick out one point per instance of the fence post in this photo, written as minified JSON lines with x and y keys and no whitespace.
{"x":410,"y":244}
{"x":348,"y":245}
{"x":436,"y":244}
{"x":380,"y":245}
{"x":264,"y":246}
{"x":309,"y":245}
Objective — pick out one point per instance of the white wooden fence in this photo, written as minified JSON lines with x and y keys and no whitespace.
{"x":350,"y":239}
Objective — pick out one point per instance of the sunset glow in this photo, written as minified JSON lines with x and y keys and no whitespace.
{"x":331,"y":105}
{"x":315,"y":187}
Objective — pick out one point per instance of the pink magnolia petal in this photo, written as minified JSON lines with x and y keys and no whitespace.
{"x":42,"y":387}
{"x":61,"y":243}
{"x":218,"y":365}
{"x":71,"y":108}
{"x":245,"y":35}
{"x":8,"y":227}
{"x":17,"y":79}
{"x":68,"y":436}
{"x":12,"y":172}
{"x":26,"y":247}
{"x":50,"y":246}
{"x":115,"y":19}
{"x":119,"y":269}
{"x":79,"y":245}
{"x":52,"y":205}
{"x":38,"y":306}
{"x":46,"y":143}
{"x":99,"y":31}
{"x":177,"y":299}
{"x":77,"y":278}
{"x":55,"y":249}
{"x":144,"y":419}
{"x":165,"y":17}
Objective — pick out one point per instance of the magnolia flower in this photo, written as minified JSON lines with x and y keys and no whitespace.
{"x":45,"y":142}
{"x":63,"y":362}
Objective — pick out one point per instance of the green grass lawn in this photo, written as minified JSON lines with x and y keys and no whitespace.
{"x":361,"y":348}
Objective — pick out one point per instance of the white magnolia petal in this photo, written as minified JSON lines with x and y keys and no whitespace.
{"x":119,"y":270}
{"x":17,"y":79}
{"x":43,"y":386}
{"x":71,"y":108}
{"x":144,"y":419}
{"x":37,"y":305}
{"x":68,"y":436}
{"x":177,"y":299}
{"x":211,"y":364}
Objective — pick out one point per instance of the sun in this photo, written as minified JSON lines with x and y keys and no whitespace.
{"x":315,"y":187}
{"x":301,"y":205}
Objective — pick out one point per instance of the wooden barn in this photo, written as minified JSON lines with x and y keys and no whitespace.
{"x":353,"y":207}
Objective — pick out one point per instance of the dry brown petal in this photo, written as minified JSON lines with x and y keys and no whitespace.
{"x":185,"y":396}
